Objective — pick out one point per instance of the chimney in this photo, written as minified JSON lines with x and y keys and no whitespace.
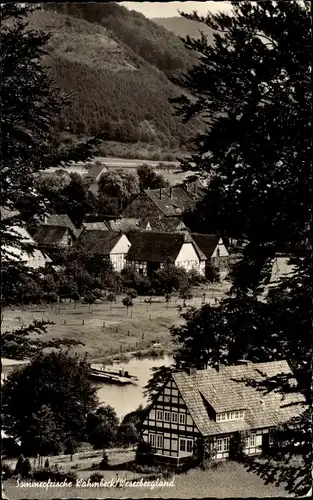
{"x":243,"y":362}
{"x":160,"y":193}
{"x":171,"y":192}
{"x":192,"y":370}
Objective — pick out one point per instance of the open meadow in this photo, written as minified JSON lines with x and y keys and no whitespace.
{"x":107,"y":329}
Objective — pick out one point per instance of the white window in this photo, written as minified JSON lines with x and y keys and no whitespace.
{"x":231,"y":416}
{"x":219,"y":444}
{"x":236,"y":414}
{"x":189,"y":445}
{"x":159,"y":415}
{"x":270,"y":439}
{"x":222,"y":444}
{"x":182,"y":444}
{"x":159,"y":441}
{"x":152,"y":440}
{"x":252,"y":440}
{"x":218,"y":417}
{"x":167,"y":416}
{"x":182,"y":418}
{"x":174,"y":417}
{"x":226,"y":444}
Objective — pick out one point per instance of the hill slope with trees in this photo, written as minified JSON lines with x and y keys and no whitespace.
{"x":119,"y":82}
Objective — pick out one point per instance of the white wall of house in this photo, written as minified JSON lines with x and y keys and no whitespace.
{"x":34,"y":260}
{"x":220,"y":250}
{"x":119,"y":252}
{"x":188,"y":258}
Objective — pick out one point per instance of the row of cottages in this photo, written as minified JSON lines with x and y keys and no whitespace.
{"x":216,"y":405}
{"x":149,"y":251}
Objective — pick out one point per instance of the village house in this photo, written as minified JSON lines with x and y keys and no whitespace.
{"x":113,"y":245}
{"x":151,"y":251}
{"x":60,"y":220}
{"x":54,"y":237}
{"x":29,"y":255}
{"x":217,"y":404}
{"x":215,"y":251}
{"x":160,"y":203}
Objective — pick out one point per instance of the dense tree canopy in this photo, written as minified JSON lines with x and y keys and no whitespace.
{"x":30,"y":105}
{"x":254,"y":87}
{"x":45,"y":404}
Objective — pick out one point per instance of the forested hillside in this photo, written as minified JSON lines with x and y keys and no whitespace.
{"x":116,"y":65}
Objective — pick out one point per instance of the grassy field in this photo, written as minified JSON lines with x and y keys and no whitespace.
{"x":227,"y":479}
{"x":108,"y":329}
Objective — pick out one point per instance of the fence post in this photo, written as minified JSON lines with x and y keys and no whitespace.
{"x":64,"y":322}
{"x":143,"y":336}
{"x":116,"y":329}
{"x":83,"y":321}
{"x":103,"y":326}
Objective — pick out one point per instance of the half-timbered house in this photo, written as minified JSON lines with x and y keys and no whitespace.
{"x":216,"y":404}
{"x":112,"y":245}
{"x":151,"y":251}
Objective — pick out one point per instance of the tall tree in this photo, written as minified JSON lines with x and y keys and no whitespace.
{"x":45,"y":404}
{"x":30,"y":105}
{"x":149,"y":179}
{"x":253,"y":86}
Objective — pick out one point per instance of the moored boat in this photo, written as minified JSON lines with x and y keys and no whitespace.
{"x":100,"y":373}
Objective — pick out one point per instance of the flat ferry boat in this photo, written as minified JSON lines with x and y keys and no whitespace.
{"x":100,"y":373}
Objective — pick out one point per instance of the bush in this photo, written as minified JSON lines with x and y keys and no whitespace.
{"x":19,"y":464}
{"x":96,"y":477}
{"x":7,"y":471}
{"x":26,"y":468}
{"x":54,"y":474}
{"x":10,"y":448}
{"x":144,"y":454}
{"x":104,"y":464}
{"x":236,"y":446}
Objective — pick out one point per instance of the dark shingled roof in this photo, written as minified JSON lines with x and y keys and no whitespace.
{"x":91,"y":226}
{"x":164,"y":224}
{"x":227,"y":390}
{"x":123,"y":224}
{"x":61,"y":220}
{"x":152,"y":246}
{"x":98,"y":241}
{"x":171,"y":201}
{"x":207,"y":243}
{"x":50,"y":235}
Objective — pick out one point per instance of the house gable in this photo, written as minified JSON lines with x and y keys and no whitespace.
{"x":221,"y":249}
{"x":140,"y":207}
{"x":170,"y":418}
{"x":188,"y":254}
{"x":121,"y":246}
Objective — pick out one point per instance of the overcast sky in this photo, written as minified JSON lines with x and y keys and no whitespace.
{"x":170,"y":9}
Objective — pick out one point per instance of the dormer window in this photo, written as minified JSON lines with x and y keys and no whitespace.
{"x":231,"y":415}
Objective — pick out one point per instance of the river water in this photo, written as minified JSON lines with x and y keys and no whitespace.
{"x":126,"y":398}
